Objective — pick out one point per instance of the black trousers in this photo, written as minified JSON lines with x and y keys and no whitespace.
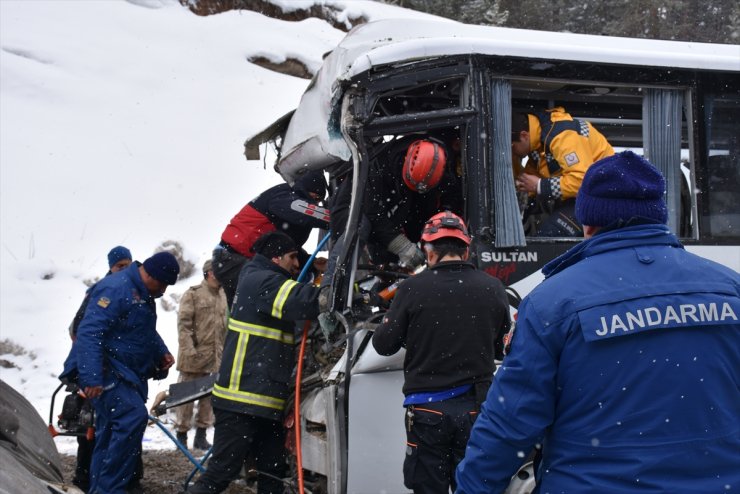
{"x":227,"y":265}
{"x":236,"y":436}
{"x":562,"y":221}
{"x":436,"y":436}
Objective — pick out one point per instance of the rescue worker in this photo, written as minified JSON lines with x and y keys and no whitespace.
{"x":624,"y":362}
{"x":253,"y":385}
{"x":117,"y":350}
{"x":294,"y":211}
{"x":201,"y":328}
{"x":407,"y":184}
{"x":560,"y":150}
{"x":448,"y":319}
{"x":119,"y":258}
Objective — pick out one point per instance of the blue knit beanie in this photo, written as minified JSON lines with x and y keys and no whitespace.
{"x":163,"y":267}
{"x":117,"y":253}
{"x":620,"y":187}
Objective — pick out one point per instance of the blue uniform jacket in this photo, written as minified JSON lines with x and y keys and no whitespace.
{"x":117,"y":337}
{"x":624,"y":366}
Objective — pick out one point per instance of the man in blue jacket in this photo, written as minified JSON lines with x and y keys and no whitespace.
{"x":117,"y":350}
{"x":624,"y":363}
{"x":251,"y":392}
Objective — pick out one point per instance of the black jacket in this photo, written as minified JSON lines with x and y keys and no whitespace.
{"x":447,"y":318}
{"x":259,"y":351}
{"x":393,"y":208}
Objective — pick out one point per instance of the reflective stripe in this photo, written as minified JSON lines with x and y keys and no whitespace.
{"x":281,"y":297}
{"x":238,"y":363}
{"x":254,"y":329}
{"x":249,"y":398}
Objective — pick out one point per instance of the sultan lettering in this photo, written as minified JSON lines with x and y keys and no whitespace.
{"x":669,"y":315}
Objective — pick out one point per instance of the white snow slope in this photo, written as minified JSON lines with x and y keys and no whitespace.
{"x":123,"y":122}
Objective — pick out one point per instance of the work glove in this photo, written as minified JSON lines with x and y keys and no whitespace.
{"x":409,"y":255}
{"x":327,"y":321}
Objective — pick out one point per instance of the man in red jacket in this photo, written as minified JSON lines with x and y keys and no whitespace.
{"x":292,"y":210}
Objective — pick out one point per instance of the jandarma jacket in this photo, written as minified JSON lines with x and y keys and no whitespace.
{"x":259,"y":353}
{"x":563,"y":148}
{"x":624,"y":367}
{"x":201,"y":327}
{"x":117,"y":337}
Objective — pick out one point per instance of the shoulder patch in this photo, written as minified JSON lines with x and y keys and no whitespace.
{"x":571,"y":159}
{"x":104,"y":302}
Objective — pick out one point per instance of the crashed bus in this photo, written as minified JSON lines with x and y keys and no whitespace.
{"x":676,"y":103}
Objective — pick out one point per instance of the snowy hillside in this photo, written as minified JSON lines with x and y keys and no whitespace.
{"x":123,"y":123}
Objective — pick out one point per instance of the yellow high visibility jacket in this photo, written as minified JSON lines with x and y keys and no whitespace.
{"x":562,"y":149}
{"x":259,"y":353}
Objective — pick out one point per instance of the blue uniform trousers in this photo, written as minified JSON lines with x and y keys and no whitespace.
{"x":121,"y":418}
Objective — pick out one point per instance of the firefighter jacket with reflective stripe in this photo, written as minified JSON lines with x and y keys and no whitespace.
{"x":277,"y":208}
{"x":562,"y":149}
{"x":258,"y":355}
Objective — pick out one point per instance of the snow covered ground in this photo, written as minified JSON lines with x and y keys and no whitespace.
{"x":123,"y":122}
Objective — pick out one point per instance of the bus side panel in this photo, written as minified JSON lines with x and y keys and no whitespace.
{"x":377,"y":439}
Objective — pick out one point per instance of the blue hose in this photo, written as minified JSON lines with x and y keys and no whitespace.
{"x":313,"y":256}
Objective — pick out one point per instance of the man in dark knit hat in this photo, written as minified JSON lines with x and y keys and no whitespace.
{"x":117,"y":350}
{"x":624,"y":366}
{"x":250,"y":394}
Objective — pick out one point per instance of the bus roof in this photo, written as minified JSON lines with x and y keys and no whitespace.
{"x":396,"y":40}
{"x":309,"y":143}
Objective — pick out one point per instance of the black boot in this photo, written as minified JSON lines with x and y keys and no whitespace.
{"x":182,"y":438}
{"x":200,"y":441}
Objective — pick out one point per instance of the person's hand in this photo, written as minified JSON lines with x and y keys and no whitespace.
{"x":93,"y":391}
{"x":166,"y":361}
{"x":527,"y":183}
{"x":408,"y":253}
{"x":320,"y":264}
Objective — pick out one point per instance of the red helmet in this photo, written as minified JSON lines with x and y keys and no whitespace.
{"x":423,"y":165}
{"x":445,"y":225}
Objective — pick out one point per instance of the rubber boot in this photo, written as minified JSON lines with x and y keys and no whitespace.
{"x":200,"y":441}
{"x":182,"y":438}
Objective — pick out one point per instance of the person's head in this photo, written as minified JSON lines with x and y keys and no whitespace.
{"x":445,"y":237}
{"x":158,"y":272}
{"x":618,"y":188}
{"x":423,"y":165}
{"x":520,"y":143}
{"x":208,"y":275}
{"x":312,"y":185}
{"x":280,"y":249}
{"x":119,"y":258}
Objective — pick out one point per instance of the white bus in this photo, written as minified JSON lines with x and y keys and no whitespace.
{"x":676,"y":103}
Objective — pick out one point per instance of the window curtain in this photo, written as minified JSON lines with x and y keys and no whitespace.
{"x":506,"y":216}
{"x":661,"y":135}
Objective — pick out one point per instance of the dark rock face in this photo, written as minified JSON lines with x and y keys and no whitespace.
{"x":265,"y":7}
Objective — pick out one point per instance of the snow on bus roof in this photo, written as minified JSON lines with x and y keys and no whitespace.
{"x":309,"y":143}
{"x":396,"y":40}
